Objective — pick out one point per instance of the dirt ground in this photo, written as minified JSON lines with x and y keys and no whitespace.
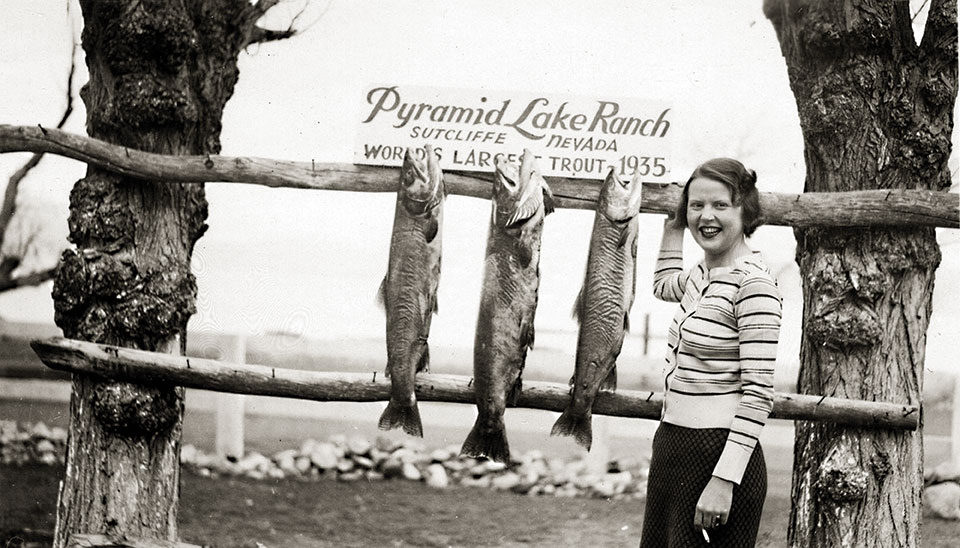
{"x":229,"y":512}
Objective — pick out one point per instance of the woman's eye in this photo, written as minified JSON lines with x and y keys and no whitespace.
{"x":721,"y":205}
{"x":696,"y":205}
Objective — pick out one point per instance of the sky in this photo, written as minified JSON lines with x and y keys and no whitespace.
{"x":309,"y":262}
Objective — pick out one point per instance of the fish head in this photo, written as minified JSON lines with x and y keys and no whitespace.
{"x":517,"y":189}
{"x":421,"y":181}
{"x":620,"y":199}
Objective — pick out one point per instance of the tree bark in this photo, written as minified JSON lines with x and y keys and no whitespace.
{"x":876,"y":112}
{"x":160,"y":74}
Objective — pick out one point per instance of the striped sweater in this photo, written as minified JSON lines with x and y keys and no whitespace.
{"x":722,"y":347}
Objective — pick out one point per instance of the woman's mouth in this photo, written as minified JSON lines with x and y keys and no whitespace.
{"x":709,"y":231}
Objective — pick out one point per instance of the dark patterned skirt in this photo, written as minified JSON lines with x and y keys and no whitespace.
{"x":682,"y":464}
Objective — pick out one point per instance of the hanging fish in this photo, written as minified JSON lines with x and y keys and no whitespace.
{"x":604,"y":302}
{"x":521,"y":200}
{"x":409,"y":290}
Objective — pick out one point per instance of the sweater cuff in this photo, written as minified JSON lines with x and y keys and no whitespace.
{"x":733,"y":461}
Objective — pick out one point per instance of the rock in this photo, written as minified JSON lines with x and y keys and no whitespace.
{"x":548,"y":489}
{"x":41,"y":430}
{"x":338,"y":440}
{"x":411,"y":472}
{"x":287,"y":461}
{"x":345,"y":465}
{"x":373,"y":475}
{"x":406,"y":455}
{"x":358,"y":445}
{"x":324,"y":456}
{"x":943,"y":499}
{"x":276,"y":473}
{"x":302,"y":464}
{"x":392,"y":467}
{"x":437,"y":476}
{"x":308,"y":446}
{"x":255,"y":474}
{"x":48,"y":459}
{"x":485,"y":467}
{"x":386,"y":444}
{"x":947,"y":471}
{"x":505,"y":481}
{"x":440,"y":455}
{"x":351,"y":476}
{"x":58,"y":434}
{"x":363,"y":462}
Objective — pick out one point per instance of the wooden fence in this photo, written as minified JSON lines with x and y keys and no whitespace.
{"x":844,"y":209}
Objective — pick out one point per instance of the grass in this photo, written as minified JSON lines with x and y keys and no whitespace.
{"x":238,"y":512}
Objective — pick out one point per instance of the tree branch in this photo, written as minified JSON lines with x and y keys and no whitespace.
{"x":894,"y":207}
{"x":9,"y":206}
{"x":31,"y":279}
{"x":260,"y":35}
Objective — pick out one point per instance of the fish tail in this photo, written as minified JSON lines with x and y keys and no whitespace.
{"x":487,"y":442}
{"x":406,"y":416}
{"x":577,"y":426}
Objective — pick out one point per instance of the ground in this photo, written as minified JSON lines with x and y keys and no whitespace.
{"x":230,"y":512}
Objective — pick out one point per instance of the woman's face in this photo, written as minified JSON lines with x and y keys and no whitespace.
{"x":716,"y":224}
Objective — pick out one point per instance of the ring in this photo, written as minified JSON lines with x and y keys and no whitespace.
{"x":716,"y":520}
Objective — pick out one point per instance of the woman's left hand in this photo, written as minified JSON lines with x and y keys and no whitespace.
{"x":713,"y":508}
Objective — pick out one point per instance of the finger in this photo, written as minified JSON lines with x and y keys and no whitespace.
{"x":724,"y":518}
{"x":699,"y":518}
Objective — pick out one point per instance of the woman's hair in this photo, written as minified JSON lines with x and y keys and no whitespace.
{"x":742,"y":183}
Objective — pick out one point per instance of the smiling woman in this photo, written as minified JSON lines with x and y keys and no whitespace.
{"x":722,"y":347}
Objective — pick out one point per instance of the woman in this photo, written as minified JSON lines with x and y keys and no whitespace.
{"x":708,"y":478}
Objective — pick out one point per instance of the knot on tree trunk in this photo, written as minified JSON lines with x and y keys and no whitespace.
{"x":104,"y":297}
{"x":135,"y":411}
{"x":840,"y":479}
{"x":850,"y":273}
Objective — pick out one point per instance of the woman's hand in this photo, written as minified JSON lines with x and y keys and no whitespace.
{"x":713,"y":508}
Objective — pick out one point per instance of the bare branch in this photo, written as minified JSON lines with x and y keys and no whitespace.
{"x":260,"y":35}
{"x":31,"y":279}
{"x":9,"y":206}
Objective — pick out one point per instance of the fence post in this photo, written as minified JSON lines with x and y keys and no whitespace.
{"x":230,"y":407}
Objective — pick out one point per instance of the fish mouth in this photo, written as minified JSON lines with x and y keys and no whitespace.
{"x":517,"y":190}
{"x":421,"y":182}
{"x":620,"y":198}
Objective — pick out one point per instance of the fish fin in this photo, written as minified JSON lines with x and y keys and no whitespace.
{"x":513,"y":396}
{"x":424,"y":364}
{"x":485,"y":442}
{"x":527,"y":333}
{"x":431,"y":228}
{"x":549,"y":202}
{"x":626,"y":322}
{"x":609,"y":384}
{"x":382,"y":293}
{"x":524,"y":255}
{"x":577,"y":307}
{"x":402,"y":416}
{"x":579,"y":427}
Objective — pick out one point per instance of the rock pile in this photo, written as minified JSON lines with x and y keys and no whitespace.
{"x":357,"y":459}
{"x":941,"y":491}
{"x":37,"y":443}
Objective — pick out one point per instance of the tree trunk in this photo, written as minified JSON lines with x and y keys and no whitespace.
{"x":160,"y":74}
{"x":876,"y":112}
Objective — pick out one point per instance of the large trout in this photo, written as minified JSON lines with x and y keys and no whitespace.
{"x":409,"y":290}
{"x":603,"y":305}
{"x":521,"y":200}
